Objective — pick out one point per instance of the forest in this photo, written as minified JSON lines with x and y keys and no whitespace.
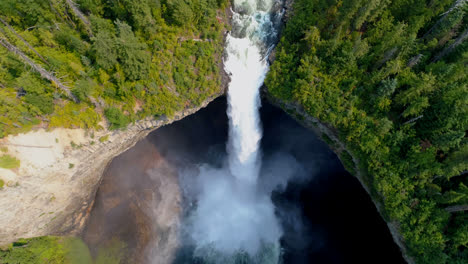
{"x":390,"y":77}
{"x":67,"y":63}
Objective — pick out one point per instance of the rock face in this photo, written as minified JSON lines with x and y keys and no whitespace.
{"x":138,"y":202}
{"x":52,"y":191}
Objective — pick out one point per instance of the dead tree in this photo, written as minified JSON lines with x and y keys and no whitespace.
{"x":24,"y":41}
{"x":413,"y":120}
{"x":457,"y":208}
{"x":457,"y":4}
{"x":450,"y":48}
{"x":44,"y":74}
{"x":414,"y":61}
{"x":72,"y":5}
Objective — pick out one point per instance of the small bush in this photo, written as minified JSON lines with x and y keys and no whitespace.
{"x":116,"y":118}
{"x":328,"y":140}
{"x":9,"y":162}
{"x":71,"y":165}
{"x":43,"y":102}
{"x":2,"y":183}
{"x":347,"y":161}
{"x":104,"y":138}
{"x":83,"y":88}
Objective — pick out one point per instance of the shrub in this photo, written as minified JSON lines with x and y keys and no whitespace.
{"x":116,"y":118}
{"x":104,"y":138}
{"x":43,"y":102}
{"x":9,"y":162}
{"x":182,"y":14}
{"x":75,"y":115}
{"x":83,"y":88}
{"x":347,"y":161}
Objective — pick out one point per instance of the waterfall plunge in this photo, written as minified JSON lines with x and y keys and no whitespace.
{"x":247,"y":74}
{"x":232,"y":218}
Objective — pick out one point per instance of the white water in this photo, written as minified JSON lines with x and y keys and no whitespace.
{"x":247,"y":69}
{"x":233,"y":216}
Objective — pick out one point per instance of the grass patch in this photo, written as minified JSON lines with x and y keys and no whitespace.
{"x":104,"y":138}
{"x":59,"y":250}
{"x":9,"y":162}
{"x":2,"y":183}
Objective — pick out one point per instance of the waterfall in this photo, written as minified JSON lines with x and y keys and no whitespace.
{"x":233,"y":219}
{"x":252,"y":28}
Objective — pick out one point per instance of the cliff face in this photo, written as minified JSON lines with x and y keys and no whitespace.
{"x":52,"y":191}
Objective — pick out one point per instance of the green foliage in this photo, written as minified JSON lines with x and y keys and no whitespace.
{"x":77,"y":251}
{"x":40,"y":250}
{"x":112,"y":252}
{"x":367,"y":68}
{"x":44,"y":103}
{"x":181,"y":12}
{"x":133,"y":53}
{"x":9,"y":162}
{"x":116,"y":118}
{"x":348,"y":161}
{"x":2,"y":183}
{"x":83,"y":88}
{"x":104,"y":138}
{"x":59,"y":250}
{"x":75,"y":116}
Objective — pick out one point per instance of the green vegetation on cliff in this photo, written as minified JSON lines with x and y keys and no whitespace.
{"x":60,"y":250}
{"x":68,"y":63}
{"x":390,"y":75}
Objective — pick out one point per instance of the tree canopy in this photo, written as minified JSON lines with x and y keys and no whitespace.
{"x":390,"y":76}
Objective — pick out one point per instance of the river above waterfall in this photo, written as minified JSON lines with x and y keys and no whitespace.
{"x":325,"y":215}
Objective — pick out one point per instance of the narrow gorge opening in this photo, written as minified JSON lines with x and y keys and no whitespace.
{"x":325,"y":214}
